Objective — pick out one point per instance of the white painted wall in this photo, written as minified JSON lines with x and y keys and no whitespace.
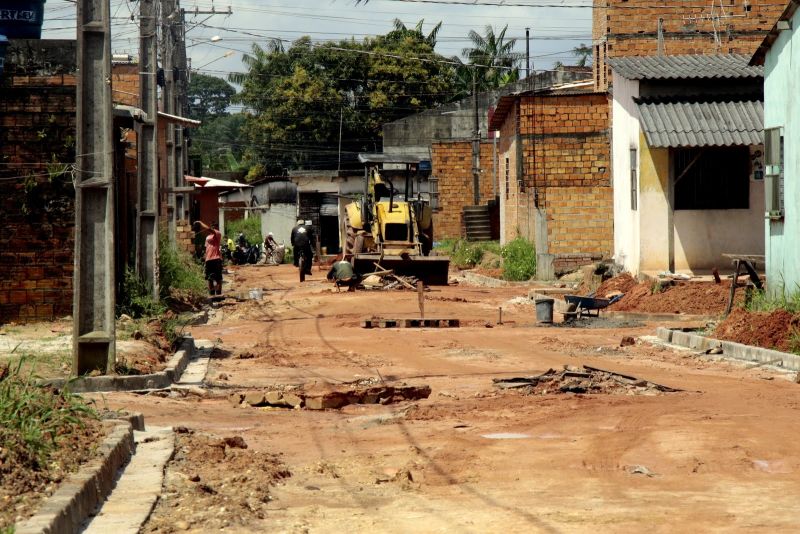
{"x":624,"y":136}
{"x":782,"y":109}
{"x":279,"y":219}
{"x":703,"y":236}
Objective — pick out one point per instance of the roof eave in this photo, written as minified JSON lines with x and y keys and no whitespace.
{"x":761,"y":52}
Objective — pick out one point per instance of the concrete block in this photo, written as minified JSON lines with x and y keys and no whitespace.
{"x":255,"y":399}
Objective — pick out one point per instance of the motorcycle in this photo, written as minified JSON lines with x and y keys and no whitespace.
{"x":246,"y":253}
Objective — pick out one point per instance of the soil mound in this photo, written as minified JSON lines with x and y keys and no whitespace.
{"x":677,"y":297}
{"x":770,"y":330}
{"x":622,"y":283}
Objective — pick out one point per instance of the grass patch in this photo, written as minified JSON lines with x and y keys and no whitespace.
{"x":465,"y":254}
{"x":251,"y":228}
{"x":760,"y":301}
{"x":33,"y":419}
{"x":519,"y":260}
{"x":179,"y":272}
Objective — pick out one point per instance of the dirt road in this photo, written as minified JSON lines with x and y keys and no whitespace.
{"x":720,"y":455}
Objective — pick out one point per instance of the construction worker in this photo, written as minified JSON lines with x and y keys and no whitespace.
{"x":342,"y":274}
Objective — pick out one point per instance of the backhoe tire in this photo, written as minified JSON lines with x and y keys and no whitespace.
{"x":354,"y":243}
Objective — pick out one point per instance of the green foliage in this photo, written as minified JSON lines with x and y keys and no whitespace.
{"x":33,"y":419}
{"x":300,"y":95}
{"x":658,"y":287}
{"x":288,"y":256}
{"x":208,"y":96}
{"x":519,"y":260}
{"x":179,"y":272}
{"x":465,"y":254}
{"x":760,"y":301}
{"x":218,"y":142}
{"x":251,"y":228}
{"x":136,"y":297}
{"x":497,"y":63}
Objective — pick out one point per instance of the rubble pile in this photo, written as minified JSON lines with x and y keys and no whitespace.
{"x":387,"y":281}
{"x":582,"y":380}
{"x":367,"y":391}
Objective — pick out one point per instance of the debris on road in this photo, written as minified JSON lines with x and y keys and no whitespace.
{"x":369,"y":391}
{"x":584,"y":380}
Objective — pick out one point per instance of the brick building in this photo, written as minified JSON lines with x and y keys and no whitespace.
{"x":451,"y":164}
{"x":622,"y":28}
{"x":554,"y":167}
{"x":37,"y":135}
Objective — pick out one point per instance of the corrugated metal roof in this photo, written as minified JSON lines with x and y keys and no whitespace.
{"x":685,"y":67}
{"x":686,"y":124}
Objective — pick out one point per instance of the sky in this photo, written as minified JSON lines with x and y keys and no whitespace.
{"x":554,"y":30}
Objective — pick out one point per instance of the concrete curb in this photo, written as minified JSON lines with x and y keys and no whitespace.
{"x":66,"y":510}
{"x":729,"y":348}
{"x":160,"y":380}
{"x":560,"y":305}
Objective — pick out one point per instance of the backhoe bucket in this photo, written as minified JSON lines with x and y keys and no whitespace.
{"x":432,"y":270}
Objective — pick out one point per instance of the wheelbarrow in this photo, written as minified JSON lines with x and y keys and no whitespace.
{"x":579,"y":306}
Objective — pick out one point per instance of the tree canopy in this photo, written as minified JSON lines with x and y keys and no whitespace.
{"x":297,"y":98}
{"x":208,"y":96}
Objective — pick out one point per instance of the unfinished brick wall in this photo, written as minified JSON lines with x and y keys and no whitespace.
{"x":566,"y":175}
{"x":451,"y":163}
{"x":630,"y":28}
{"x":125,"y":84}
{"x":37,"y":129}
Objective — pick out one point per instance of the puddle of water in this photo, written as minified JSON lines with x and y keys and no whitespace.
{"x":549,"y":436}
{"x":505,"y":435}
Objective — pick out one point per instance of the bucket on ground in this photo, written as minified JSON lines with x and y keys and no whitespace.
{"x":544,"y":310}
{"x":3,"y":47}
{"x":22,"y":19}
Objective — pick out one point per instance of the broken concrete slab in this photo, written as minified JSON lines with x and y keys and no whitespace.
{"x":330,"y":397}
{"x":583,"y":380}
{"x":377,"y":322}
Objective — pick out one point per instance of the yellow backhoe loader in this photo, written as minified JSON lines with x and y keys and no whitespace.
{"x":389,"y":229}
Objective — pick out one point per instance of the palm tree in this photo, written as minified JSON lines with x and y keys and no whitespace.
{"x":494,"y":57}
{"x":430,"y":39}
{"x":584,"y":55}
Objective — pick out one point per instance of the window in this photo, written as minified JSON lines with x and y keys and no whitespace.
{"x":773,"y":172}
{"x":507,"y":178}
{"x":634,"y":181}
{"x":712,"y":178}
{"x":433,"y":192}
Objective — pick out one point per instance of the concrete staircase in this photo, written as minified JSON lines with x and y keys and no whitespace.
{"x":477,"y":223}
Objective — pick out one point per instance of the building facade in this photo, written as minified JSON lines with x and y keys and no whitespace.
{"x":782,"y":151}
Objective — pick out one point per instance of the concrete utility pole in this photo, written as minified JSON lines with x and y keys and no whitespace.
{"x":476,"y":142}
{"x":93,"y":345}
{"x":181,"y":87}
{"x":169,"y":21}
{"x":527,"y":52}
{"x":147,"y":220}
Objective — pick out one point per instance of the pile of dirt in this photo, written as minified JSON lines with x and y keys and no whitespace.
{"x":584,"y":380}
{"x":701,"y":298}
{"x":622,"y":283}
{"x":25,"y":481}
{"x":215,"y":484}
{"x":777,"y":330}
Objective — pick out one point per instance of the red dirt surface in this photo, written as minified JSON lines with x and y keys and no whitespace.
{"x":623,"y":283}
{"x":720,"y":455}
{"x":770,"y":330}
{"x":701,"y":298}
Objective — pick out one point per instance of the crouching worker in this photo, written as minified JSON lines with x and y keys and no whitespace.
{"x":342,"y":274}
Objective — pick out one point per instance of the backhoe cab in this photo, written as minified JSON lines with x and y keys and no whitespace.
{"x":390,"y":229}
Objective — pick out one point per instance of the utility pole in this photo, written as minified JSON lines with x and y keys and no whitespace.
{"x":147,"y":220}
{"x":527,"y":52}
{"x":341,"y":118}
{"x":93,"y":331}
{"x":169,"y":20}
{"x":476,"y":142}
